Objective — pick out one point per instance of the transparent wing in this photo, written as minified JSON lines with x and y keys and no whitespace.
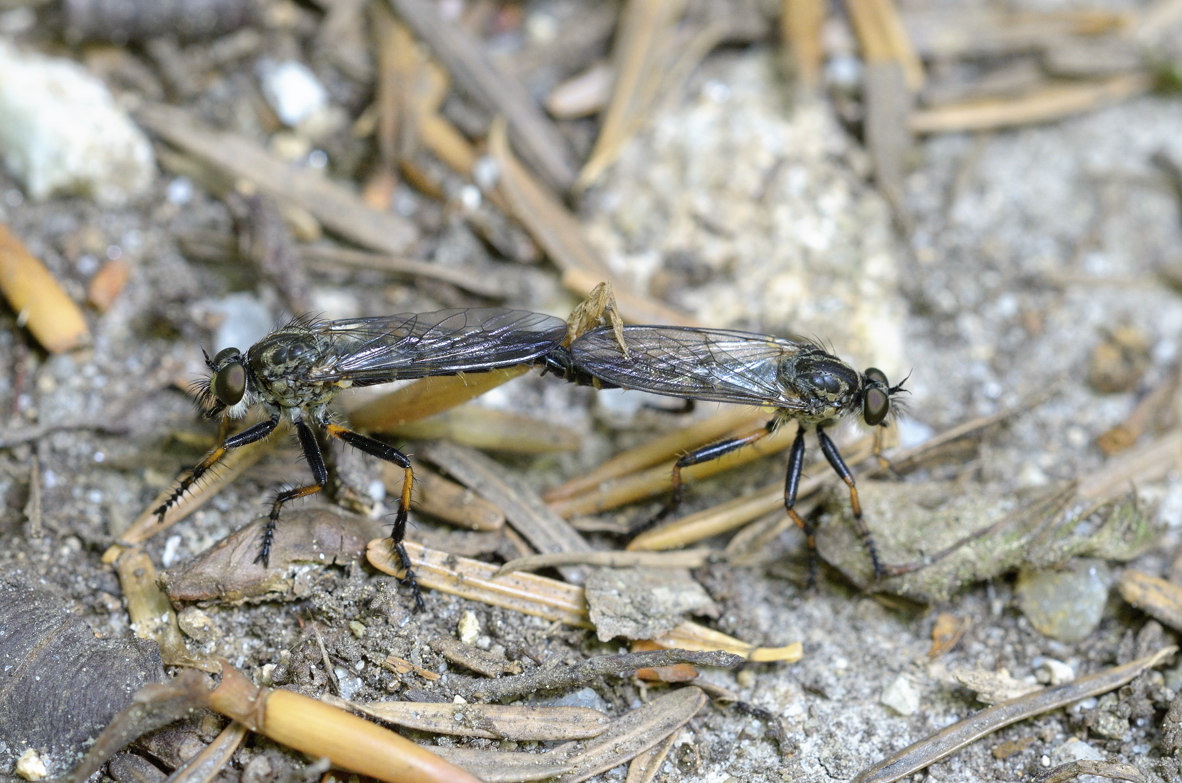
{"x":415,"y":345}
{"x":702,"y":364}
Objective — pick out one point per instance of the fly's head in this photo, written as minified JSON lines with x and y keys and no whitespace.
{"x":228,"y":388}
{"x":878,"y":396}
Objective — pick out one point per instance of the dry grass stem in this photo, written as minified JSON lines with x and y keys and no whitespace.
{"x":1159,"y":598}
{"x":1161,"y":402}
{"x":550,"y":599}
{"x":627,"y":737}
{"x":535,"y":136}
{"x":447,"y":500}
{"x":1048,"y":104}
{"x":640,"y":57}
{"x":684,"y":559}
{"x":150,"y":611}
{"x":1123,"y":473}
{"x":319,"y":729}
{"x":329,"y":257}
{"x":656,"y":480}
{"x":526,"y":513}
{"x":212,"y":760}
{"x":883,"y":37}
{"x":333,"y":205}
{"x":801,"y":23}
{"x":659,"y":449}
{"x":39,"y":302}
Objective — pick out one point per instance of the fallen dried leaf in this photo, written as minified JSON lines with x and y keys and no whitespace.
{"x":227,"y":572}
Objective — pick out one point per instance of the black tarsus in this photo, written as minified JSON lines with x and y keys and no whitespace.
{"x":384,"y":451}
{"x":829,"y":449}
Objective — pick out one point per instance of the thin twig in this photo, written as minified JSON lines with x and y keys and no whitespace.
{"x":560,"y":676}
{"x":947,"y":741}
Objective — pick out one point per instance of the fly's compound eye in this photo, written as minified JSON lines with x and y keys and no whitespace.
{"x":228,"y":383}
{"x":876,"y":400}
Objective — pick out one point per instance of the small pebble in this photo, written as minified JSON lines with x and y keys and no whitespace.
{"x":292,"y":90}
{"x":197,"y":625}
{"x":350,"y":683}
{"x":31,"y":766}
{"x":1119,"y":361}
{"x":469,"y":628}
{"x":1075,"y":749}
{"x":1052,"y":672}
{"x":1065,"y":604}
{"x":901,"y":695}
{"x":584,"y":697}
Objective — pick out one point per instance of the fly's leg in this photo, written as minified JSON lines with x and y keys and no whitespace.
{"x":791,"y":487}
{"x":838,"y":464}
{"x":384,"y":451}
{"x":883,"y":462}
{"x":315,"y":459}
{"x":249,"y":435}
{"x":706,"y":453}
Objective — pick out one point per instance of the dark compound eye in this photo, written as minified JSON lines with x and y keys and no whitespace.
{"x":225,"y":356}
{"x":229,"y":381}
{"x":876,"y":400}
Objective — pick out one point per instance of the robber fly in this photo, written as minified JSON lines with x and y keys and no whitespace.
{"x":297,"y":370}
{"x":799,"y":378}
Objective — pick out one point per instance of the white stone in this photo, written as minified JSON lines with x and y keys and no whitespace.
{"x":901,"y":696}
{"x":61,"y":132}
{"x":1052,"y":671}
{"x":31,"y":766}
{"x":292,"y":90}
{"x":1075,"y":749}
{"x":469,"y":628}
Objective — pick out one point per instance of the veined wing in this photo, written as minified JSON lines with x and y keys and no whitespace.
{"x":701,"y":364}
{"x":415,"y":345}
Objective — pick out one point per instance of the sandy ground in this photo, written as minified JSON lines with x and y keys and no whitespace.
{"x":1026,"y":250}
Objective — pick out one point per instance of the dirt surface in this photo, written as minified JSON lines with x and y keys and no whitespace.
{"x":1011,"y":257}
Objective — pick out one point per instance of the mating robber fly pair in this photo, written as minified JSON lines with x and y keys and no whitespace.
{"x":296,"y":371}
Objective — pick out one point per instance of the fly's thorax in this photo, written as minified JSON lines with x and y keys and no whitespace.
{"x":827,"y":386}
{"x":282,"y":365}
